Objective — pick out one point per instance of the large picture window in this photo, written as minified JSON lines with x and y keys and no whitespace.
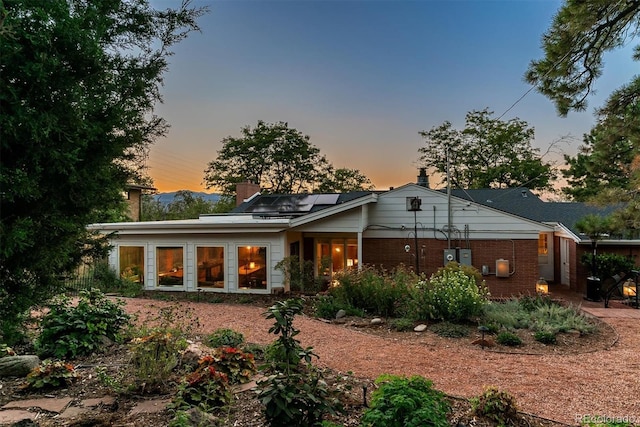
{"x":170,"y":262}
{"x":252,"y":267}
{"x":335,"y":255}
{"x":131,"y":261}
{"x":210,"y":267}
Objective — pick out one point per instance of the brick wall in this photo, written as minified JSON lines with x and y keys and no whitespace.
{"x":522,"y":256}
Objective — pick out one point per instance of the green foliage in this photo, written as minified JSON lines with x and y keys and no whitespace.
{"x":70,"y":331}
{"x":449,"y":330}
{"x":79,"y":85}
{"x":205,"y":389}
{"x":108,"y":281}
{"x":156,"y":348}
{"x":451,"y":295}
{"x":294,"y":394}
{"x":601,"y":421}
{"x":487,"y":153}
{"x":531,"y":303}
{"x":238,"y":366}
{"x":49,"y":375}
{"x":608,"y":264}
{"x":509,"y":339}
{"x":402,"y":324}
{"x":185,"y":205}
{"x":344,"y":180}
{"x":558,"y":318}
{"x":224,"y":337}
{"x":5,"y":350}
{"x":545,"y":337}
{"x":300,"y":275}
{"x":327,"y":306}
{"x":379,"y":294}
{"x":497,"y":405}
{"x":403,"y":402}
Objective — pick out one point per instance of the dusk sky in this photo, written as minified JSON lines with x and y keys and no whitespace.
{"x":360,"y":77}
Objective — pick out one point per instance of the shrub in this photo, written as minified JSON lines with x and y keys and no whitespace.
{"x":327,"y":306}
{"x":155,"y":350}
{"x":402,"y":401}
{"x":507,"y":315}
{"x":450,"y":295}
{"x":205,"y":389}
{"x":608,"y":264}
{"x":401,"y":324}
{"x":50,"y":374}
{"x":545,"y":337}
{"x":68,"y":331}
{"x":294,"y":394}
{"x":225,"y":338}
{"x":509,"y":339}
{"x":108,"y":281}
{"x":238,"y":366}
{"x":300,"y":274}
{"x":449,"y":330}
{"x":560,"y":319}
{"x":496,"y":405}
{"x":380,"y":294}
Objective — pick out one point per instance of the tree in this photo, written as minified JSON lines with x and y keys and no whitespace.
{"x":78,"y":83}
{"x":488,"y":153}
{"x":343,"y":180}
{"x":596,"y":227}
{"x":185,"y":205}
{"x":581,"y":33}
{"x":278,"y":158}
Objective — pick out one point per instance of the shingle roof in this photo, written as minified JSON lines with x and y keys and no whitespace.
{"x":522,"y":202}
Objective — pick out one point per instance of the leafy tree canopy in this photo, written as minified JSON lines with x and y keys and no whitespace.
{"x":78,"y":83}
{"x":281,"y":160}
{"x":487,"y":153}
{"x":574,"y":45}
{"x":185,"y":205}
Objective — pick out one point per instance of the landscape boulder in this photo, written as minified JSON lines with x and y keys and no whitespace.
{"x":18,"y":366}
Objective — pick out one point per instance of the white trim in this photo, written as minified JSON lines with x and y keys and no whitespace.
{"x":156,"y":279}
{"x":236,"y":268}
{"x":342,"y":207}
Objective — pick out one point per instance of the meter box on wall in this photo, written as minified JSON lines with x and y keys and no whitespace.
{"x":464,"y":257}
{"x":449,"y":255}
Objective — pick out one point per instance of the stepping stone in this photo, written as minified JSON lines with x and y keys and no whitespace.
{"x":74,"y":412}
{"x":13,"y":416}
{"x":48,"y":404}
{"x":99,"y":401}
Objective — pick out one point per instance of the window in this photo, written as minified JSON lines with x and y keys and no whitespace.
{"x":210,"y":262}
{"x":335,"y":255}
{"x":131,"y":259}
{"x":543,"y":244}
{"x":252,"y":267}
{"x":170,"y":262}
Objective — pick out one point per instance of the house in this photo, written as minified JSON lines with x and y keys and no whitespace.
{"x":559,"y":253}
{"x":412,"y":225}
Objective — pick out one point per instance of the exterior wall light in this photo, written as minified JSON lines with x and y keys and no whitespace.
{"x":542,"y":287}
{"x":629,"y":289}
{"x":502,"y":267}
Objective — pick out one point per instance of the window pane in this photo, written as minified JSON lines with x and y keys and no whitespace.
{"x":132,"y":263}
{"x":170,"y":266}
{"x":252,"y":267}
{"x":337,"y":254}
{"x":210,"y":267}
{"x":543,"y":248}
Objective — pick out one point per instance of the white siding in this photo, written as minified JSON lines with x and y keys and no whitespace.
{"x":345,"y":222}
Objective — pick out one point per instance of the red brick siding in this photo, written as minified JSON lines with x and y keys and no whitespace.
{"x":389,"y":253}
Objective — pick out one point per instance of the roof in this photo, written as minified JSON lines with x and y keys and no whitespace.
{"x":294,"y":205}
{"x":522,"y":202}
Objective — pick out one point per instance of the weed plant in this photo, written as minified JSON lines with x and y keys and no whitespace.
{"x":224,"y":337}
{"x":401,"y":324}
{"x":402,"y":401}
{"x":67,"y":331}
{"x":50,"y":374}
{"x":497,"y":405}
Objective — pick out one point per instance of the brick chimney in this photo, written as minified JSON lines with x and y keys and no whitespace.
{"x":244,"y":190}
{"x":423,"y":179}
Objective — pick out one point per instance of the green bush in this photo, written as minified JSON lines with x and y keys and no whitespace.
{"x":377,"y":293}
{"x":449,"y":330}
{"x":294,"y":394}
{"x":224,"y":337}
{"x":507,"y":315}
{"x":451,"y":295}
{"x":559,"y":318}
{"x":68,"y":331}
{"x":497,"y":405}
{"x":300,"y":274}
{"x":608,"y":264}
{"x":156,"y":349}
{"x":401,"y":324}
{"x":509,"y":339}
{"x":327,"y":306}
{"x":402,"y":401}
{"x":545,"y":337}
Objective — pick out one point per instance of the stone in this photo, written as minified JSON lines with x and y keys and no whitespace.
{"x":340,"y":314}
{"x":15,"y":416}
{"x":376,"y":321}
{"x":420,"y":328}
{"x":483,"y":342}
{"x":49,"y":404}
{"x":193,"y":353}
{"x":17,"y":366}
{"x":99,"y":401}
{"x":150,"y":406}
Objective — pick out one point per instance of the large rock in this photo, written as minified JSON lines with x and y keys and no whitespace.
{"x":17,"y":366}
